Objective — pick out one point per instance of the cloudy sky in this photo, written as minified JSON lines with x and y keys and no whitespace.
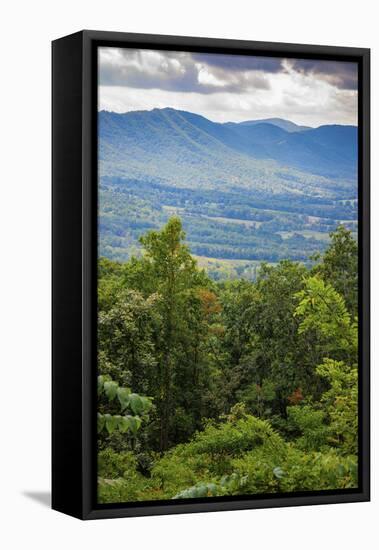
{"x":228,"y":87}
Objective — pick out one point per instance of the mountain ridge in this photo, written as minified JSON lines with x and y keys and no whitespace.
{"x":328,"y":150}
{"x":275,"y":121}
{"x":283,"y":123}
{"x":246,"y":192}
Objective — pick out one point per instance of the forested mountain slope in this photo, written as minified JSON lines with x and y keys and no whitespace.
{"x":244,"y":191}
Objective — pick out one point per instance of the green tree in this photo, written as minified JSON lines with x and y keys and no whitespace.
{"x":339,"y":267}
{"x":125,"y":340}
{"x":325,"y":319}
{"x":172,"y":273}
{"x":281,"y":358}
{"x":340,"y":402}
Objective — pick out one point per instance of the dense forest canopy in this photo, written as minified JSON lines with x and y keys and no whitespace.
{"x":210,"y":388}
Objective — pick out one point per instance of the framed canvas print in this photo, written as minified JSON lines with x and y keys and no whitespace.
{"x":210,"y":274}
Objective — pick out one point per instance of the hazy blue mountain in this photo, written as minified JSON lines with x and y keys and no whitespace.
{"x":244,"y":191}
{"x":280,"y":122}
{"x":331,"y":151}
{"x":182,"y":137}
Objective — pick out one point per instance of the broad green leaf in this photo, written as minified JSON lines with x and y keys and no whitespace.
{"x":110,"y":388}
{"x":124,"y":424}
{"x":118,"y":420}
{"x":147,"y":404}
{"x":123,"y":397}
{"x":201,"y":491}
{"x":110,"y":423}
{"x":136,"y":403}
{"x":278,"y":472}
{"x":134,"y":423}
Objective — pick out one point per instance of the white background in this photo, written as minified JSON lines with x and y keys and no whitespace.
{"x":26,"y":31}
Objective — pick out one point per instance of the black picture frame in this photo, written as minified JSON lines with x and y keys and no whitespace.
{"x":74,"y":205}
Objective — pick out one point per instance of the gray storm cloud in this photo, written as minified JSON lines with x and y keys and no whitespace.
{"x":229,"y":87}
{"x":210,"y":73}
{"x":182,"y":72}
{"x":241,"y":62}
{"x":341,"y":74}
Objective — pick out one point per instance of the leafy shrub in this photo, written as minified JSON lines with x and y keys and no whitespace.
{"x":210,"y":454}
{"x":311,"y":424}
{"x":174,"y":473}
{"x":299,"y":471}
{"x":234,"y":438}
{"x":341,"y":404}
{"x":119,"y":480}
{"x":318,"y":471}
{"x":113,"y":465}
{"x":122,"y":490}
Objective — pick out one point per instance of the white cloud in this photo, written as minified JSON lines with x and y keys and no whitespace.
{"x":225,"y":88}
{"x":208,"y":78}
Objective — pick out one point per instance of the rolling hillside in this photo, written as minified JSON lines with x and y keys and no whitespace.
{"x":250,"y":191}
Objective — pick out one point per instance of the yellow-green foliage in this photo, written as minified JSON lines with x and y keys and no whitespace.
{"x":118,"y":479}
{"x":234,"y":438}
{"x":341,"y":404}
{"x":296,"y":471}
{"x":243,"y":456}
{"x":311,"y":423}
{"x":323,"y":311}
{"x":114,"y":465}
{"x":211,"y":452}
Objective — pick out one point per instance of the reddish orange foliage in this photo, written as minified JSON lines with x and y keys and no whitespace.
{"x":209,"y":301}
{"x":296,"y":396}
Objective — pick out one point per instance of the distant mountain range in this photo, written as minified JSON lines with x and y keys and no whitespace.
{"x":280,"y":122}
{"x":259,"y":189}
{"x":330,"y":151}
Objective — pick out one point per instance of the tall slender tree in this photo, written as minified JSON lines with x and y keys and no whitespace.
{"x":172,"y":273}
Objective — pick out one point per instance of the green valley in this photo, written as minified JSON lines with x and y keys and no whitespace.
{"x":235,"y":202}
